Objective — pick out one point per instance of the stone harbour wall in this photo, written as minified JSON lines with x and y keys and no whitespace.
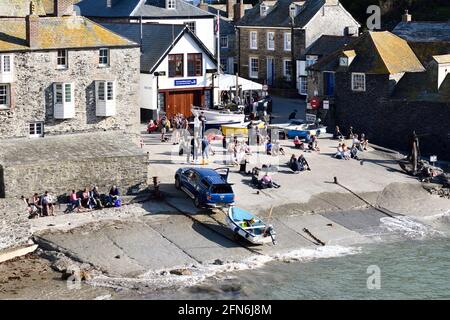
{"x":14,"y":223}
{"x":60,"y":177}
{"x":32,"y":92}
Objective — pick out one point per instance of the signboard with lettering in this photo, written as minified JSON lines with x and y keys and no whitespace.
{"x":310,"y":117}
{"x":326,"y":104}
{"x":433,"y":158}
{"x":185,"y":82}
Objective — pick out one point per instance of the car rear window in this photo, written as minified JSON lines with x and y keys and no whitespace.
{"x":221,"y":188}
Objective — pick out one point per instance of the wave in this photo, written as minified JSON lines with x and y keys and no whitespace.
{"x":409,"y":227}
{"x":163,"y":279}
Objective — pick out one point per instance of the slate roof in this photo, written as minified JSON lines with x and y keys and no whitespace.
{"x":136,"y":8}
{"x":326,"y":45}
{"x":279,"y":15}
{"x":423,"y":31}
{"x":376,"y":53}
{"x":58,"y":33}
{"x":422,"y":86}
{"x":157,"y":40}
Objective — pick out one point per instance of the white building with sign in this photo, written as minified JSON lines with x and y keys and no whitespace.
{"x":177,"y":69}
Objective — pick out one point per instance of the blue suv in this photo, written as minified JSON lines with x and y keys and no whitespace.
{"x":207,"y":187}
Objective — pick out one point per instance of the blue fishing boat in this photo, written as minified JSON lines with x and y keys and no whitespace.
{"x":249,"y":226}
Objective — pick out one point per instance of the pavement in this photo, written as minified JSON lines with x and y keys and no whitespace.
{"x":172,"y":233}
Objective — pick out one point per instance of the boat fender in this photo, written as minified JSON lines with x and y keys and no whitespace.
{"x":246,"y":235}
{"x":236,"y":230}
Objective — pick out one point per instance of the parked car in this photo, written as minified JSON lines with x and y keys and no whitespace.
{"x":207,"y":187}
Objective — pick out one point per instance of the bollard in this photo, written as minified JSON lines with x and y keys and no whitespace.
{"x":335,"y":180}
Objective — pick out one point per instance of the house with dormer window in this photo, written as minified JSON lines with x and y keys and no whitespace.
{"x":69,"y":102}
{"x":273,"y":38}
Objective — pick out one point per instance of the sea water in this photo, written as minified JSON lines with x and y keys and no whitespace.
{"x":412,"y":269}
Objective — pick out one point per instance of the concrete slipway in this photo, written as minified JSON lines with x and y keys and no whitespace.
{"x":155,"y":235}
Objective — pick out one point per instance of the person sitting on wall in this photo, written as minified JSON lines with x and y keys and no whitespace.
{"x":364,"y":141}
{"x":298,"y":144}
{"x":31,"y":208}
{"x":74,"y":201}
{"x":36,"y":202}
{"x":85,"y":201}
{"x":354,"y":152}
{"x":151,"y":126}
{"x":48,"y":207}
{"x":338,"y":134}
{"x":95,"y":198}
{"x":340,"y":152}
{"x":356,"y":143}
{"x":346,"y":152}
{"x":113,"y":199}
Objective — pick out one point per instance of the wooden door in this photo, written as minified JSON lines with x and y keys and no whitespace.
{"x":181,"y":102}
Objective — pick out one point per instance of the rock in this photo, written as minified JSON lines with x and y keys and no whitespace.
{"x":181,"y":272}
{"x":218,"y":262}
{"x":62,"y":264}
{"x":117,"y":257}
{"x":163,"y":273}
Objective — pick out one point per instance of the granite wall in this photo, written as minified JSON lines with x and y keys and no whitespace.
{"x":14,"y":223}
{"x":32,"y":92}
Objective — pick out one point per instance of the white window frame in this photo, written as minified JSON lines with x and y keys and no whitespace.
{"x":361,"y":86}
{"x":65,"y":107}
{"x":251,"y":73}
{"x":6,"y":68}
{"x":223,"y":65}
{"x":224,"y":41}
{"x":104,"y":100}
{"x":192,"y":26}
{"x":101,"y":56}
{"x":287,"y":76}
{"x":343,"y":61}
{"x":253,"y":44}
{"x":36,"y":129}
{"x":286,"y":36}
{"x":268,"y":41}
{"x":171,"y":4}
{"x":60,"y":57}
{"x":263,"y":9}
{"x":5,"y":94}
{"x":303,"y":85}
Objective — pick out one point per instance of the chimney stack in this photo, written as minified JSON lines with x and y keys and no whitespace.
{"x":203,"y":5}
{"x":406,"y":17}
{"x":230,"y":8}
{"x":32,"y":27}
{"x":238,"y":11}
{"x":63,"y":7}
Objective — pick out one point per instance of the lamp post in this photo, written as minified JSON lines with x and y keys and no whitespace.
{"x":157,"y":75}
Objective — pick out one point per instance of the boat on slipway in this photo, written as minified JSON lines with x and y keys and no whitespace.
{"x":249,"y":226}
{"x":217,"y":118}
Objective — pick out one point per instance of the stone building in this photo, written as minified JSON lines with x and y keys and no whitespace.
{"x":274,"y":37}
{"x":383,"y":90}
{"x":175,"y":67}
{"x":63,"y":75}
{"x":230,"y":12}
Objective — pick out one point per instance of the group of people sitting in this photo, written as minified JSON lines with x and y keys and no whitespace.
{"x":298,"y":164}
{"x":40,"y":205}
{"x":346,"y":153}
{"x":266,"y":181}
{"x":311,"y":143}
{"x":93,"y":199}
